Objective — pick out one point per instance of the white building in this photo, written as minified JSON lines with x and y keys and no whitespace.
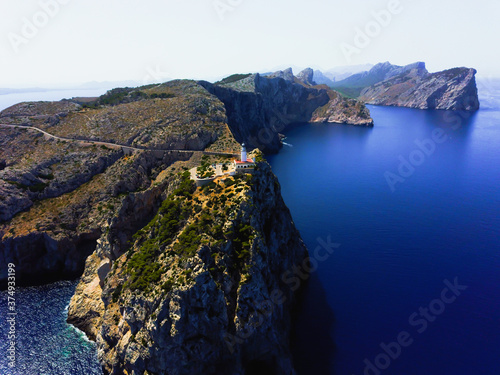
{"x":244,"y":164}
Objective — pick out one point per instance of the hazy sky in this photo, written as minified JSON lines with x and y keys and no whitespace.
{"x":69,"y":41}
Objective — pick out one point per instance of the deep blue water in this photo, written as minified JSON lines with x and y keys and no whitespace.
{"x":45,"y":343}
{"x":398,"y":247}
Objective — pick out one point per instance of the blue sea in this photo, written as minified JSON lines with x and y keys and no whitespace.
{"x":45,"y":343}
{"x":412,"y":283}
{"x":413,"y":287}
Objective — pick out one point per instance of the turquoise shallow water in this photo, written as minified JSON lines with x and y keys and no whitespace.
{"x":399,"y":242}
{"x":46,"y":344}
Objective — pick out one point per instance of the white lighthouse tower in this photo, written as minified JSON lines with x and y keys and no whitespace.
{"x":244,"y":165}
{"x":243,"y":153}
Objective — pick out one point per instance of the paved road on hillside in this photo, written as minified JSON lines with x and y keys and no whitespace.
{"x":86,"y":142}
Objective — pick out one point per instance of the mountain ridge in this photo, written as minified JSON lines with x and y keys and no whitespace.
{"x":414,"y":87}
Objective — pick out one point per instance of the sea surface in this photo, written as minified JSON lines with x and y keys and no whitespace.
{"x":400,"y":234}
{"x":401,"y":242}
{"x":45,"y":343}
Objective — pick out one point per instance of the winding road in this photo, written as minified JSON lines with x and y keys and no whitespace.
{"x":126,"y":149}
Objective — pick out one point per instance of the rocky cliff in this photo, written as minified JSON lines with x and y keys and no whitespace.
{"x":413,"y":86}
{"x":307,"y":77}
{"x":354,"y":84}
{"x":453,"y":89}
{"x":259,"y":108}
{"x":203,"y":288}
{"x":175,"y":279}
{"x":56,"y":196}
{"x":342,"y":110}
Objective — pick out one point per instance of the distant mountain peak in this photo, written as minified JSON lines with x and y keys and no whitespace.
{"x":286,"y":74}
{"x":307,"y":76}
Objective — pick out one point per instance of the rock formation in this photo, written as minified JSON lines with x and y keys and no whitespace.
{"x":343,"y":111}
{"x":453,"y":89}
{"x":214,"y":299}
{"x":205,"y":287}
{"x":306,"y":76}
{"x":57,"y":196}
{"x":259,"y":108}
{"x":413,"y":86}
{"x":286,"y":74}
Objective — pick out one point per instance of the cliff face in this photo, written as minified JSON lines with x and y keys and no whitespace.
{"x":343,"y":111}
{"x":354,"y":84}
{"x":259,"y":108}
{"x":453,"y":89}
{"x":212,"y":299}
{"x":307,"y":76}
{"x":57,"y":198}
{"x":413,"y":86}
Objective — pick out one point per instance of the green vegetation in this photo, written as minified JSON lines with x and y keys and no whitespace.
{"x":142,"y":266}
{"x":168,"y":285}
{"x":116,"y":293}
{"x":349,"y":92}
{"x":124,"y":95}
{"x":35,"y":188}
{"x":189,"y":241}
{"x":205,"y":170}
{"x":243,"y":235}
{"x":233,"y":78}
{"x":163,"y":95}
{"x":49,"y":176}
{"x":179,"y":229}
{"x":114,"y":96}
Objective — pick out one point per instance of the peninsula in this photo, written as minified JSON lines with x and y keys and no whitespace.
{"x":178,"y":275}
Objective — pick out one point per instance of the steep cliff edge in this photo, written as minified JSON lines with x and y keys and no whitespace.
{"x":57,"y":198}
{"x":343,"y":111}
{"x":413,"y":86}
{"x":259,"y":108}
{"x":453,"y":89}
{"x":203,"y":289}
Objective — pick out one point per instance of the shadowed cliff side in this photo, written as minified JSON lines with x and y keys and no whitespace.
{"x":206,"y":288}
{"x":259,"y":108}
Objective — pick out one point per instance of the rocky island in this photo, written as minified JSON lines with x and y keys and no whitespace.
{"x":174,"y":278}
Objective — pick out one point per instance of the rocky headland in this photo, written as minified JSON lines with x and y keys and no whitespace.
{"x":176,"y":279}
{"x":414,"y":87}
{"x":260,"y":107}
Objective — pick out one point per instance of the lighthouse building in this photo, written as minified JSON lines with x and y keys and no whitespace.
{"x":244,"y":164}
